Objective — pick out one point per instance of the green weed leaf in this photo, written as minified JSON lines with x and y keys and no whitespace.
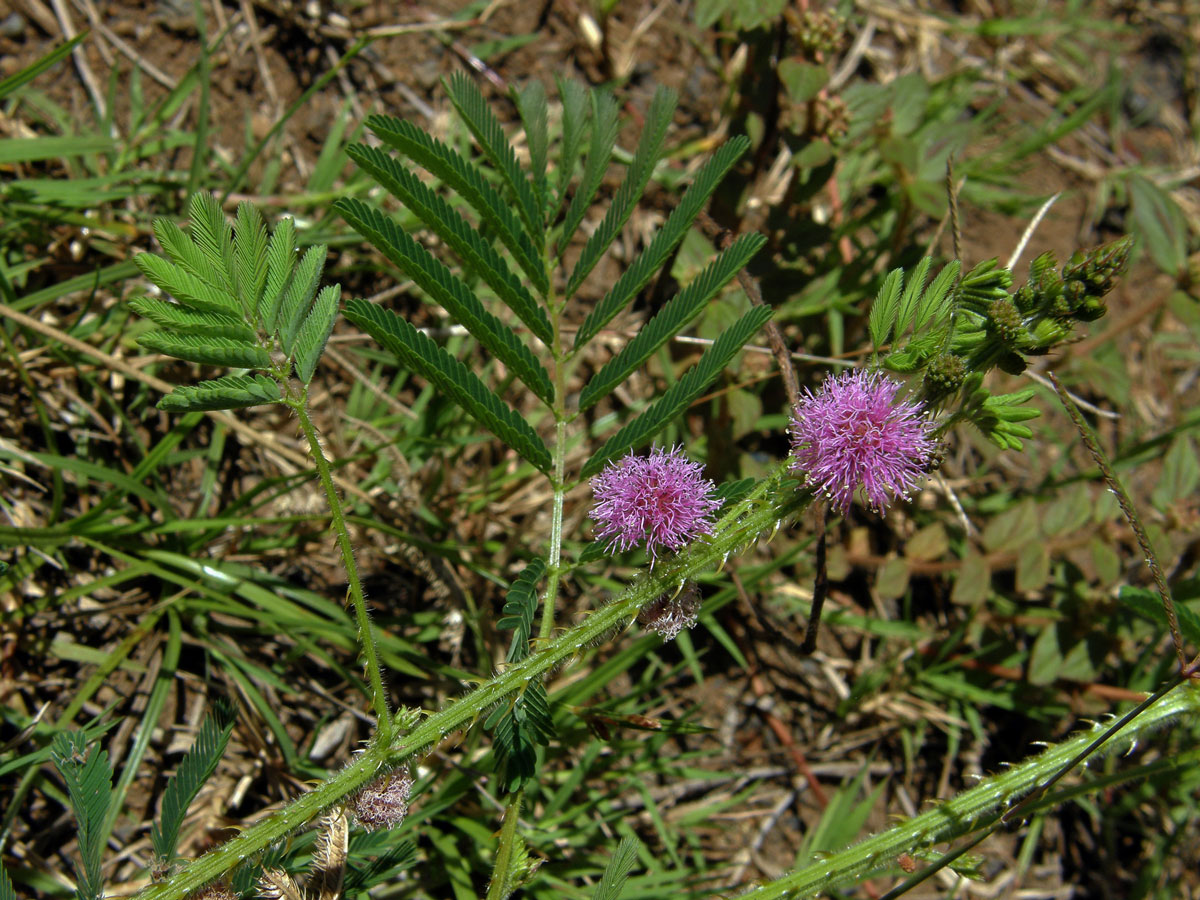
{"x":531,"y":104}
{"x":298,"y":296}
{"x":230,"y":392}
{"x":6,"y":885}
{"x":574,"y":98}
{"x":281,"y":260}
{"x":518,"y":730}
{"x":612,"y":882}
{"x":185,"y":287}
{"x":520,"y":606}
{"x":250,"y":258}
{"x":882,"y":320}
{"x":450,"y":376}
{"x":213,"y":351}
{"x":213,"y":237}
{"x":314,"y":332}
{"x":600,"y":148}
{"x":184,"y":320}
{"x":88,"y":776}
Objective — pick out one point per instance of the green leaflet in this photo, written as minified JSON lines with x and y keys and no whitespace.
{"x":535,"y":117}
{"x":192,"y":321}
{"x":484,"y":125}
{"x":281,"y":258}
{"x":213,"y":237}
{"x":88,"y":776}
{"x":574,"y":98}
{"x":476,"y":253}
{"x":229,"y":392}
{"x":671,"y":319}
{"x":469,"y":183}
{"x":6,"y":887}
{"x":432,"y":276}
{"x":250,"y":258}
{"x":681,"y":394}
{"x":298,"y":296}
{"x":649,"y":149}
{"x":184,"y":253}
{"x":519,"y":726}
{"x":914,"y":286}
{"x":600,"y":148}
{"x":185,"y":287}
{"x":654,"y":256}
{"x":213,"y":351}
{"x":617,"y":870}
{"x":520,"y":605}
{"x":450,"y":376}
{"x":314,"y":332}
{"x":197,"y":767}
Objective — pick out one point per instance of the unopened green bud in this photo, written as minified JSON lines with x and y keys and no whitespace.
{"x":1004,"y":319}
{"x":944,"y":375}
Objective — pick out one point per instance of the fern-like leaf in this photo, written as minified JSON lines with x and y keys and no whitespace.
{"x":469,"y":183}
{"x":671,"y":319}
{"x":612,"y":882}
{"x":531,"y":104}
{"x":229,"y":392}
{"x":298,"y":296}
{"x":197,"y":767}
{"x":484,"y":125}
{"x":600,"y":148}
{"x":520,"y":605}
{"x":452,"y":378}
{"x":459,"y":235}
{"x":937,"y":301}
{"x":362,"y":876}
{"x":186,"y":287}
{"x":682,"y":393}
{"x":213,"y":351}
{"x":185,"y":320}
{"x":448,"y":289}
{"x":281,"y":261}
{"x":649,"y":149}
{"x":212,"y":236}
{"x":914,"y":286}
{"x":314,"y":332}
{"x":574,"y":98}
{"x":184,"y":253}
{"x":882,"y":320}
{"x":250,"y":258}
{"x":88,"y":776}
{"x":6,"y":885}
{"x":518,"y":730}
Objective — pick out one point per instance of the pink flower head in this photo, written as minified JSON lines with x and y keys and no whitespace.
{"x":662,"y":499}
{"x":854,"y":432}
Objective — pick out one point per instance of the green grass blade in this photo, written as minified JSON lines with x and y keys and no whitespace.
{"x":450,"y":376}
{"x":681,"y":394}
{"x":32,"y":71}
{"x":477,"y":254}
{"x":649,"y":149}
{"x":182,"y":320}
{"x":671,"y":319}
{"x":88,"y":776}
{"x":26,"y":150}
{"x":230,"y":392}
{"x":600,"y":148}
{"x":484,"y":125}
{"x":314,"y":332}
{"x":432,"y":276}
{"x":650,"y":260}
{"x":469,"y":183}
{"x":213,"y":351}
{"x":520,"y":606}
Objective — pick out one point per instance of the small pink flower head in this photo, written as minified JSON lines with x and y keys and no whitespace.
{"x":854,"y":432}
{"x":663,"y":499}
{"x":384,"y":803}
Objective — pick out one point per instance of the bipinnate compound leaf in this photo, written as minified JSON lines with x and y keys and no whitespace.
{"x":197,"y":767}
{"x":672,"y":318}
{"x":185,"y":320}
{"x":432,"y":276}
{"x":314,"y":332}
{"x":451,"y":377}
{"x":535,"y":117}
{"x":250,"y":258}
{"x":665,"y":240}
{"x":88,"y":777}
{"x":229,"y":392}
{"x":486,"y":129}
{"x":185,"y":287}
{"x":882,"y":319}
{"x":465,"y":179}
{"x":519,"y":728}
{"x":520,"y":606}
{"x":574,"y":97}
{"x":645,"y":157}
{"x":682,"y":393}
{"x":281,"y":260}
{"x":298,"y":296}
{"x":600,"y":148}
{"x":213,"y":351}
{"x":476,"y":253}
{"x":620,"y":864}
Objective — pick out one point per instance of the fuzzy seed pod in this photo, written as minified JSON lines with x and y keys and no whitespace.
{"x":672,"y":613}
{"x":384,"y":802}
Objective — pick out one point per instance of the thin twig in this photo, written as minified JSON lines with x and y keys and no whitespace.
{"x":820,"y":584}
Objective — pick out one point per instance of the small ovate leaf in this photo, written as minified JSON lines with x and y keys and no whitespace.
{"x":229,"y":392}
{"x":476,"y":253}
{"x":883,"y":311}
{"x":185,"y":287}
{"x":470,"y":184}
{"x":600,"y":147}
{"x":531,"y":104}
{"x":250,"y":258}
{"x":451,"y":377}
{"x":672,"y":318}
{"x":574,"y":98}
{"x":432,"y":276}
{"x":197,"y":767}
{"x":298,"y":296}
{"x":88,"y":776}
{"x":520,"y":606}
{"x":212,"y":351}
{"x":184,"y":320}
{"x":682,"y":393}
{"x":612,"y":882}
{"x":648,"y":152}
{"x":281,"y":261}
{"x":486,"y":129}
{"x":665,"y":240}
{"x":314,"y":332}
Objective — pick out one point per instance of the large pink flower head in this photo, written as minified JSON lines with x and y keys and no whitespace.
{"x":854,"y":432}
{"x":662,"y":499}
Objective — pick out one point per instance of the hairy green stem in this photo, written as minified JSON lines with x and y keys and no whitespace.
{"x":763,"y":509}
{"x":366,"y":639}
{"x":501,"y":886}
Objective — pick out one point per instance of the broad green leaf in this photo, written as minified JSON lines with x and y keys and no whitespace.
{"x":432,"y":276}
{"x":477,"y":254}
{"x":183,"y":320}
{"x":484,"y":125}
{"x":650,"y":260}
{"x":250,"y":258}
{"x":672,"y":318}
{"x":197,"y":767}
{"x":574,"y":98}
{"x":213,"y":351}
{"x":229,"y":392}
{"x":600,"y":148}
{"x":469,"y":183}
{"x":298,"y":296}
{"x":531,"y":103}
{"x":452,"y":378}
{"x":281,"y":260}
{"x":682,"y":393}
{"x":612,"y":882}
{"x":802,"y":81}
{"x":520,"y":606}
{"x":649,"y":149}
{"x":185,"y":287}
{"x":88,"y":776}
{"x":314,"y":332}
